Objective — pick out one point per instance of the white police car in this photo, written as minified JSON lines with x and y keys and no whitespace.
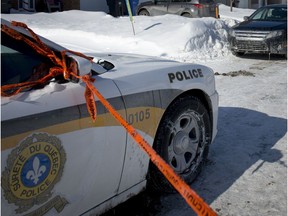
{"x":56,"y":160}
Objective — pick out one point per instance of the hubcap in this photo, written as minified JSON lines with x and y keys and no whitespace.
{"x":185,"y":142}
{"x":180,"y":143}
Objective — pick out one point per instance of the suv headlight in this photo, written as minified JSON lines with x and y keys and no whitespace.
{"x":274,"y":34}
{"x":231,"y":32}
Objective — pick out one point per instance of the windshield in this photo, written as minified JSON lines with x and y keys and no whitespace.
{"x":271,"y":14}
{"x":18,"y":60}
{"x":21,"y":63}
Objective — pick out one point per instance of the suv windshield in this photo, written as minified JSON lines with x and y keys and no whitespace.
{"x":272,"y":14}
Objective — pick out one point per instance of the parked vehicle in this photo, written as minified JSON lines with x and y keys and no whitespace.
{"x":186,"y":8}
{"x":265,"y":31}
{"x":56,"y":160}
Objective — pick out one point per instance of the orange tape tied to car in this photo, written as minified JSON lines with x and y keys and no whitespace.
{"x":192,"y":199}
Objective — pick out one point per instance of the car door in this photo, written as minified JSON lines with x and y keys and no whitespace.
{"x":54,"y":158}
{"x":176,"y":7}
{"x":159,"y":7}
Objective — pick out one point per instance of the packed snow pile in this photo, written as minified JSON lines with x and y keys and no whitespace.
{"x":168,"y":36}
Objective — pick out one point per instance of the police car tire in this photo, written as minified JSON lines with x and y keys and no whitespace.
{"x":180,"y":112}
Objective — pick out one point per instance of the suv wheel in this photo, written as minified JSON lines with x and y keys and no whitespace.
{"x":144,"y":12}
{"x":187,"y":15}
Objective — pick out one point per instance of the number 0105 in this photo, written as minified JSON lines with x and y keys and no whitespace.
{"x":139,"y":116}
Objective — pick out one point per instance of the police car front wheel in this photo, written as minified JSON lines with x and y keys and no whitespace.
{"x":182,"y":140}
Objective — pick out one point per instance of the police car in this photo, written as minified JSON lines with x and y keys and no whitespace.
{"x":56,"y":160}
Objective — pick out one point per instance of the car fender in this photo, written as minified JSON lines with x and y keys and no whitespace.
{"x":148,"y":87}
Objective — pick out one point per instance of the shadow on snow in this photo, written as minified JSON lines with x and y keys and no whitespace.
{"x":244,"y":138}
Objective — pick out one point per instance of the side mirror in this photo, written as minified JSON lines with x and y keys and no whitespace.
{"x":246,"y":18}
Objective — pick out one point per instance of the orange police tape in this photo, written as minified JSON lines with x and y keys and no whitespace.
{"x":193,"y":200}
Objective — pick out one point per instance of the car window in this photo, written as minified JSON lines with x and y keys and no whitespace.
{"x":272,"y":14}
{"x":277,"y":14}
{"x":19,"y":61}
{"x":259,"y":15}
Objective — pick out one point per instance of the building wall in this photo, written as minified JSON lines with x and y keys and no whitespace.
{"x":252,"y":4}
{"x":40,"y":5}
{"x":87,"y":5}
{"x":92,"y":5}
{"x":101,"y":5}
{"x":243,"y":4}
{"x":71,"y":4}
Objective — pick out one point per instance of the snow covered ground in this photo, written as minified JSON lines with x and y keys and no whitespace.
{"x":246,"y":173}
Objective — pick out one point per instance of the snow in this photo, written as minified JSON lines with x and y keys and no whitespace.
{"x":246,"y":173}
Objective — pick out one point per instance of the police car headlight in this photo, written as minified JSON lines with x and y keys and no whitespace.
{"x":274,"y":34}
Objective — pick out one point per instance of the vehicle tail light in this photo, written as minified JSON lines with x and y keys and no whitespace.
{"x":199,"y":6}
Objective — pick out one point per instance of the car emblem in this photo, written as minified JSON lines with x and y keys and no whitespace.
{"x":33,"y":168}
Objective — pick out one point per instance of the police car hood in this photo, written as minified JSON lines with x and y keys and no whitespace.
{"x":254,"y":25}
{"x":132,"y":63}
{"x":137,"y":73}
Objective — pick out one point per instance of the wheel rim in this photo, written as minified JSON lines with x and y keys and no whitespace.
{"x":185,"y":147}
{"x":144,"y":13}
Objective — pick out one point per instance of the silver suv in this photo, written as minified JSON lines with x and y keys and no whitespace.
{"x":187,"y":8}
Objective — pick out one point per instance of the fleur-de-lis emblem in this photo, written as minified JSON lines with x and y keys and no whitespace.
{"x":37,"y":171}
